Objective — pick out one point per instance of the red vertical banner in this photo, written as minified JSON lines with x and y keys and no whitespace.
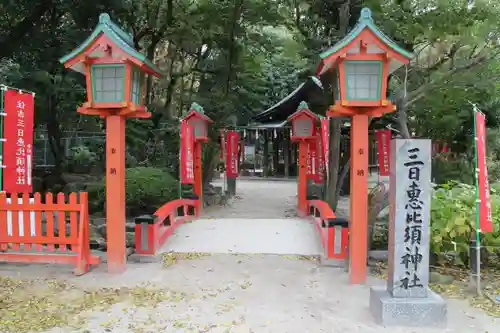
{"x":18,"y":147}
{"x":324,"y":140}
{"x":187,"y":153}
{"x":320,"y":158}
{"x":232,"y":145}
{"x":383,"y":149}
{"x":485,"y":215}
{"x":311,"y":159}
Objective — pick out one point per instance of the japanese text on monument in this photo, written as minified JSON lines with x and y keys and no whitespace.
{"x":412,"y":257}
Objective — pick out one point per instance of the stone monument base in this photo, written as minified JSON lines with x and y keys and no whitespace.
{"x":420,"y":312}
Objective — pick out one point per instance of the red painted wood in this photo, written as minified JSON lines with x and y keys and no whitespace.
{"x":78,"y":252}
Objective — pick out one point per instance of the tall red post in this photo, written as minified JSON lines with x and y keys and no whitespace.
{"x":115,"y":193}
{"x":358,"y":249}
{"x":198,"y":173}
{"x":302,"y":184}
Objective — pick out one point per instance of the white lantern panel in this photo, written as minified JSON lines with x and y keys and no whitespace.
{"x":200,"y":128}
{"x":108,"y":83}
{"x":136,"y":86}
{"x":302,"y":127}
{"x":363,"y":79}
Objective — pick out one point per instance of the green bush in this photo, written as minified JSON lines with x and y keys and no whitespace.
{"x":453,"y":220}
{"x":146,"y":190}
{"x":81,"y":159}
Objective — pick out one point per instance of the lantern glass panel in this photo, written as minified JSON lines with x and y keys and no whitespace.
{"x":136,"y":86}
{"x":108,"y":83}
{"x":200,"y":128}
{"x":302,"y":127}
{"x":363,"y":79}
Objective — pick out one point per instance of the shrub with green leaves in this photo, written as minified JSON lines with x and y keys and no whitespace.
{"x":453,"y":220}
{"x":81,"y":159}
{"x":146,"y":190}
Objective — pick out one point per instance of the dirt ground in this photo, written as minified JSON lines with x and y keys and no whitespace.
{"x":211,"y":293}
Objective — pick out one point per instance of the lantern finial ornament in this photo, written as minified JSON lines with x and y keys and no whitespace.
{"x":197,"y":107}
{"x":303,"y":105}
{"x":366,"y":15}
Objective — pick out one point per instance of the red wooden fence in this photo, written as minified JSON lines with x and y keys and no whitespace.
{"x":25,"y":237}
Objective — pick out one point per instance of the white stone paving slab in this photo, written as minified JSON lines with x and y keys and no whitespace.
{"x":233,"y":235}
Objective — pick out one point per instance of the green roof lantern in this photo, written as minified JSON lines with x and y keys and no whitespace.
{"x":197,"y":118}
{"x":303,"y":123}
{"x":114,"y":69}
{"x":379,"y":40}
{"x":364,"y":58}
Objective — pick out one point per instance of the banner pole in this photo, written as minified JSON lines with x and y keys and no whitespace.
{"x":478,"y":201}
{"x":2,"y":115}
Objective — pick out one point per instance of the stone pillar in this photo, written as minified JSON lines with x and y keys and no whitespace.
{"x":407,"y":299}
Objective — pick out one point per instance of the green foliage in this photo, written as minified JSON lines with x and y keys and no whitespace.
{"x":81,"y":159}
{"x":453,"y":220}
{"x":447,"y":167}
{"x":146,"y":190}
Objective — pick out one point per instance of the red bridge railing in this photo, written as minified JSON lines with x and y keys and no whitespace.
{"x":333,"y":230}
{"x":152,"y":231}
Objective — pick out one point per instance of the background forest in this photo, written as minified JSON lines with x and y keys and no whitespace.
{"x":238,"y":57}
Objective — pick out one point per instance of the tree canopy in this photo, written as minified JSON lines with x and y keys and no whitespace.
{"x":238,"y":57}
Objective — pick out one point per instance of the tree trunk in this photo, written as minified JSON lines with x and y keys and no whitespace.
{"x":333,"y":161}
{"x":402,"y":117}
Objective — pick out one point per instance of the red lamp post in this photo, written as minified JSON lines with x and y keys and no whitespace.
{"x":115,"y":76}
{"x":303,"y":130}
{"x":364,"y":59}
{"x":199,"y":121}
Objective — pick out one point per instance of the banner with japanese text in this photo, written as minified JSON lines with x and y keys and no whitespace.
{"x":319,"y":176}
{"x":232,"y":147}
{"x":187,"y":153}
{"x":18,"y":145}
{"x":383,"y":149}
{"x":325,"y":140}
{"x":482,"y":183}
{"x":311,"y":159}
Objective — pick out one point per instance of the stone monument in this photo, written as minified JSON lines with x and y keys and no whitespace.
{"x":407,"y":299}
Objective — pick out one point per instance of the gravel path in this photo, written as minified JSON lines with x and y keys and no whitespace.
{"x":229,"y":293}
